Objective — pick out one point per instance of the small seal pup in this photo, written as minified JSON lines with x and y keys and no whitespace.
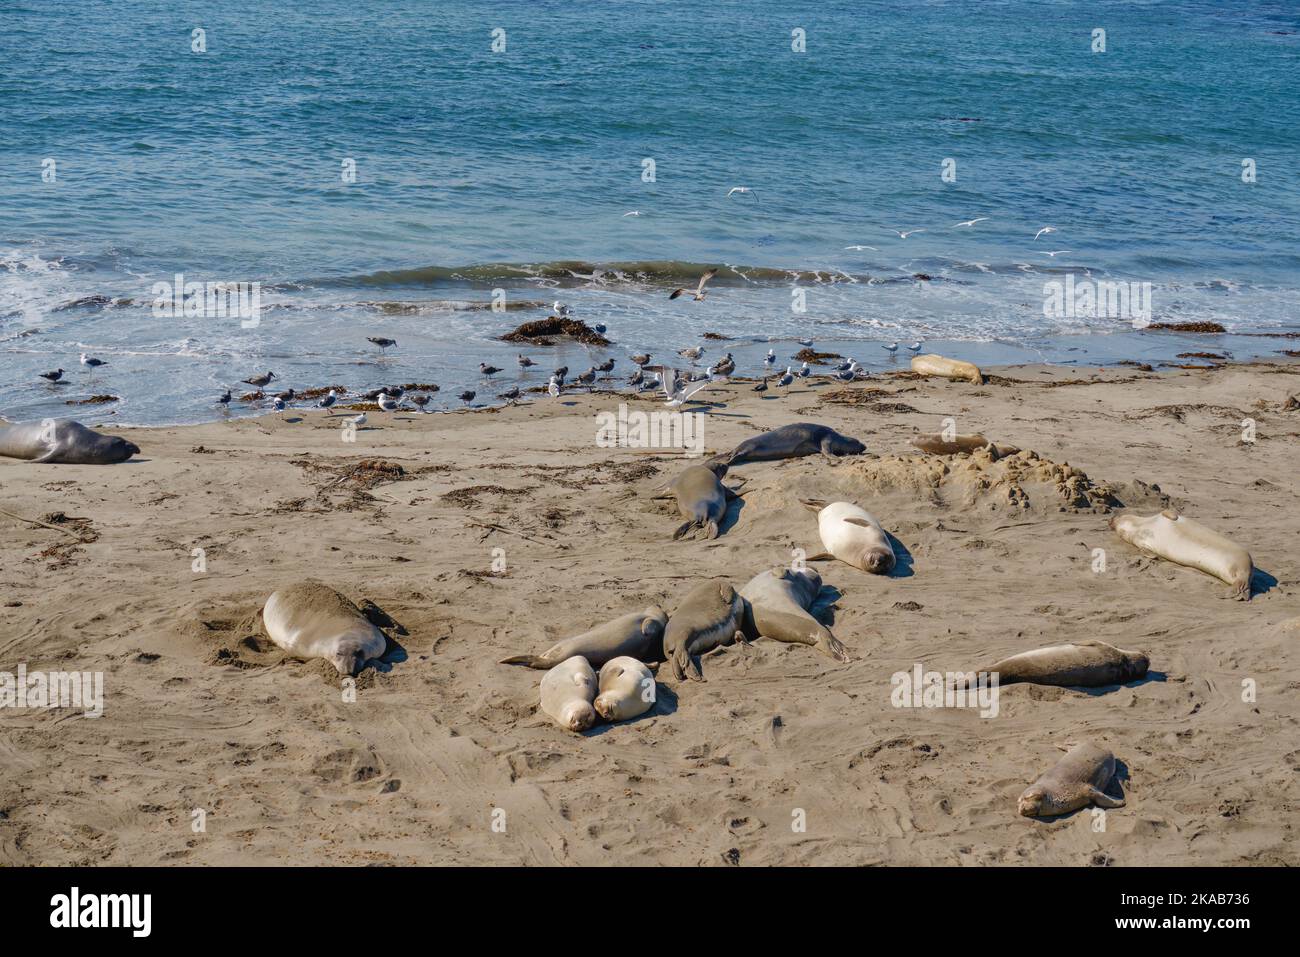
{"x":710,"y":615}
{"x":627,"y":690}
{"x":934,"y":443}
{"x":852,"y":535}
{"x":791,"y":442}
{"x":567,"y":692}
{"x":947,"y":368}
{"x":701,"y":498}
{"x":638,"y":635}
{"x":1178,"y":539}
{"x":311,"y":620}
{"x":776,"y":607}
{"x":1081,"y":664}
{"x":1076,"y":781}
{"x":63,"y":442}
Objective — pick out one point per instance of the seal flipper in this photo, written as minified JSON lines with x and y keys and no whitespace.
{"x":711,"y":529}
{"x":814,"y":504}
{"x":1104,"y":800}
{"x":684,"y":528}
{"x":820,"y":557}
{"x":860,"y":522}
{"x":532,"y":661}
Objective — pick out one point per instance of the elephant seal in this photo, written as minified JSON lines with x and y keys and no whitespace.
{"x":64,"y":442}
{"x":934,"y":443}
{"x":1081,"y":664}
{"x":710,"y":615}
{"x":1076,"y":781}
{"x":947,"y":368}
{"x":311,"y":620}
{"x":567,"y":692}
{"x":1178,"y":539}
{"x":627,"y":690}
{"x":776,"y":607}
{"x":639,"y":635}
{"x":792,"y":442}
{"x":852,"y":535}
{"x":701,"y":498}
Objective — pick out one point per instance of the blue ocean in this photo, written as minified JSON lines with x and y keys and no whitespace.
{"x":861,"y":174}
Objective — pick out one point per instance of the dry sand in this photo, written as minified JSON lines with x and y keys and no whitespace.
{"x":202,"y":712}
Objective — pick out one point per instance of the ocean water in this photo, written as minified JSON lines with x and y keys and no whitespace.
{"x":479,"y":170}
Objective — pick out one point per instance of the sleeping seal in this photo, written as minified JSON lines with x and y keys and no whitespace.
{"x":791,"y":442}
{"x":567,"y":692}
{"x":1077,"y":780}
{"x":627,"y":690}
{"x":852,"y":535}
{"x":947,"y":368}
{"x":701,"y":498}
{"x":311,"y":620}
{"x":776,"y":607}
{"x":64,"y":442}
{"x":1178,"y":539}
{"x":935,"y":444}
{"x":1081,"y":664}
{"x":638,"y":635}
{"x":710,"y":615}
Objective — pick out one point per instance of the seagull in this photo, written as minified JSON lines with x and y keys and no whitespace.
{"x":785,"y":379}
{"x":762,"y":386}
{"x":636,"y":378}
{"x":257,"y":380}
{"x":860,"y":248}
{"x":287,"y":396}
{"x":692,"y":353}
{"x":769,"y":360}
{"x":327,"y":401}
{"x":553,"y":387}
{"x":970,"y":222}
{"x":92,"y":361}
{"x":468,"y":396}
{"x":915,"y":346}
{"x":682,"y":391}
{"x":807,"y":343}
{"x":635,"y":212}
{"x":741,"y":189}
{"x":849,"y":374}
{"x":560,"y":373}
{"x":561,"y":309}
{"x":486,"y":369}
{"x":525,"y":362}
{"x":420,"y":400}
{"x":1058,"y":252}
{"x":642,"y":359}
{"x":606,"y":366}
{"x":387,"y":403}
{"x":891,"y":348}
{"x":381,"y":342}
{"x":909,"y":232}
{"x":1045,"y":229}
{"x":510,"y":395}
{"x":278,"y":404}
{"x":802,"y":371}
{"x":587,"y":378}
{"x":848,"y":363}
{"x":54,"y":376}
{"x":395,"y":391}
{"x":726,"y":365}
{"x":225,"y":399}
{"x":699,"y":290}
{"x":359,"y":420}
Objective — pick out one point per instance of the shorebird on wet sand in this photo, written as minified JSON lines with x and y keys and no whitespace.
{"x":606,"y":366}
{"x":327,"y":401}
{"x":510,"y":395}
{"x":54,"y":376}
{"x":642,"y":358}
{"x":359,"y":420}
{"x":587,"y":378}
{"x":561,"y":373}
{"x":762,"y":386}
{"x":468,"y":396}
{"x":891,"y":348}
{"x":387,"y":403}
{"x":915,"y":346}
{"x":725,"y":366}
{"x":381,"y":342}
{"x":692,"y":353}
{"x":802,"y":371}
{"x":486,"y":369}
{"x":257,"y":380}
{"x":225,"y":399}
{"x":525,"y":362}
{"x":420,"y":400}
{"x":786,"y":378}
{"x":91,"y":361}
{"x":699,"y":290}
{"x":636,"y":378}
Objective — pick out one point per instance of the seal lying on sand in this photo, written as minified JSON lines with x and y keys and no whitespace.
{"x":852,"y":535}
{"x":792,"y":442}
{"x":1082,"y":664}
{"x":638,"y":635}
{"x":627,"y":690}
{"x":947,"y":368}
{"x":710,"y":615}
{"x":1178,"y":539}
{"x":1076,"y":781}
{"x":311,"y":620}
{"x":568,"y":690}
{"x":935,"y":444}
{"x":776,"y":607}
{"x":65,"y":442}
{"x":701,"y":498}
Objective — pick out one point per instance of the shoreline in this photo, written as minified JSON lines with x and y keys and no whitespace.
{"x":201,"y":711}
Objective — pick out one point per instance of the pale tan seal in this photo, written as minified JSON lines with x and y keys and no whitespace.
{"x":852,"y":534}
{"x":568,"y":690}
{"x":934,"y":443}
{"x":311,"y":620}
{"x":639,"y":635}
{"x":710,"y":615}
{"x":776,"y":607}
{"x":701,"y":498}
{"x":1178,"y":539}
{"x":1082,"y":664}
{"x":627,"y":690}
{"x":947,"y":368}
{"x":63,"y":441}
{"x":1077,"y":780}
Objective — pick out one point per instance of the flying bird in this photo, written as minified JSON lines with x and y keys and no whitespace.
{"x":970,"y":222}
{"x":904,"y":235}
{"x":1045,"y":229}
{"x":635,"y":212}
{"x":741,"y":189}
{"x":1057,"y":253}
{"x":860,"y":248}
{"x":699,"y":290}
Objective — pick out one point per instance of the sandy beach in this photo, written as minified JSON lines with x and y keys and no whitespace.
{"x":441,"y":743}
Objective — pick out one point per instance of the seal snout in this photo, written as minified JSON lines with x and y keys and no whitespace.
{"x":878,"y":562}
{"x":579,"y":716}
{"x":1031,"y":803}
{"x":605,"y":707}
